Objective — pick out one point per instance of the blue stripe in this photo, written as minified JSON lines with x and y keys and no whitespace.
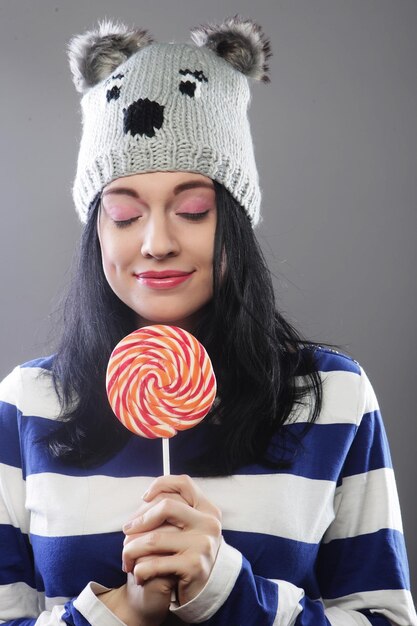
{"x":276,"y":557}
{"x":328,"y":360}
{"x":139,"y":457}
{"x":365,"y":563}
{"x":252,"y":602}
{"x":370,"y":450}
{"x":72,"y":617}
{"x":20,"y":622}
{"x":312,"y":613}
{"x":376,"y":620}
{"x":16,"y":561}
{"x":77,"y":560}
{"x":143,"y":457}
{"x":301,"y":446}
{"x":10,"y":445}
{"x":98,"y":557}
{"x":44,"y":362}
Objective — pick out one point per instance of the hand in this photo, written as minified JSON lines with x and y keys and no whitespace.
{"x":187,"y":551}
{"x":140,"y":605}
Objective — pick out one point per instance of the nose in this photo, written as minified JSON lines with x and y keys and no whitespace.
{"x":159,"y":240}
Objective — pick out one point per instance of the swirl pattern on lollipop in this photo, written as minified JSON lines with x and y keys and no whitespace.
{"x":160,"y":380}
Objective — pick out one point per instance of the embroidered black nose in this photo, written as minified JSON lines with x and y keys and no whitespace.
{"x":188,"y":88}
{"x":143,"y":117}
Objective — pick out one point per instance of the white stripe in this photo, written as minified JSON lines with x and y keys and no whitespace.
{"x":49,"y":603}
{"x":340,"y":617}
{"x":12,"y":500}
{"x":39,"y":397}
{"x":9,"y":385}
{"x":18,"y":599}
{"x":273,"y":504}
{"x":346,"y":396}
{"x":289,"y":607}
{"x":366,"y":503}
{"x":379,"y":602}
{"x":370,"y":399}
{"x":282,"y":505}
{"x":96,"y":504}
{"x":52,"y":618}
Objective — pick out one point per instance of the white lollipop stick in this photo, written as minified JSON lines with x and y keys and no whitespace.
{"x":165,"y":456}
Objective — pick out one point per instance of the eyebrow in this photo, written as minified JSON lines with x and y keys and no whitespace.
{"x":128,"y":191}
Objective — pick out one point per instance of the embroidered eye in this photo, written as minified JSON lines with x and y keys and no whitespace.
{"x":114,"y":92}
{"x":191,"y":82}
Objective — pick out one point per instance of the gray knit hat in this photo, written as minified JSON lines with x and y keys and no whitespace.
{"x":168,"y":106}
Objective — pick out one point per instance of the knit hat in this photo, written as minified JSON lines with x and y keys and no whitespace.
{"x":168,"y":106}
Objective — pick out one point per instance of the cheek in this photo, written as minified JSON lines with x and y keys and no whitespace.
{"x":210,"y":255}
{"x":204,"y":247}
{"x":115,"y":252}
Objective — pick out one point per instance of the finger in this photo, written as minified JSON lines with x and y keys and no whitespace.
{"x":151,"y":600}
{"x":167,"y":528}
{"x":184,"y":486}
{"x":163,"y":584}
{"x":166,"y":516}
{"x":147,"y":505}
{"x":187,"y":569}
{"x":128,"y":565}
{"x":166,"y":511}
{"x":147,"y":546}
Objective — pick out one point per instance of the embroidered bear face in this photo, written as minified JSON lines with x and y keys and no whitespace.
{"x":144,"y":116}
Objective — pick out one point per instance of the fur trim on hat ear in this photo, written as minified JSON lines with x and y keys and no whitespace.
{"x":240,"y":42}
{"x":94,"y":55}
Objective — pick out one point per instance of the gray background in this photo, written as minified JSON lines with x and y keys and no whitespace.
{"x":336,"y":142}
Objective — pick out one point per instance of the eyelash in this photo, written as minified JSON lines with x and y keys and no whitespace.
{"x":192,"y":217}
{"x":124,"y":223}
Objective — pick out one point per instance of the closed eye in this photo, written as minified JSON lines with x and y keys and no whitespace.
{"x":125,"y":223}
{"x":194,"y":217}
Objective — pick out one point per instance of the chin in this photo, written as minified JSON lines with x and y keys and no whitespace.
{"x":187,"y":323}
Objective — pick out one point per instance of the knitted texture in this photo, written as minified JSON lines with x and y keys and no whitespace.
{"x":169,"y":107}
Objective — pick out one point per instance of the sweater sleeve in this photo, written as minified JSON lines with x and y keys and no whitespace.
{"x":361,"y":567}
{"x":21,"y":595}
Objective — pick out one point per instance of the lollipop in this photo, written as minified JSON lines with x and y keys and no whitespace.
{"x":160,"y":380}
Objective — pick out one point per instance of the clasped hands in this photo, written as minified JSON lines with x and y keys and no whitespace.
{"x":171,"y":544}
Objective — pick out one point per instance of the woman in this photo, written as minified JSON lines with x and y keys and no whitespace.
{"x":292,"y":515}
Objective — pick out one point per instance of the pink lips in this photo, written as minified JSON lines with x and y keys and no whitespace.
{"x":165,"y":279}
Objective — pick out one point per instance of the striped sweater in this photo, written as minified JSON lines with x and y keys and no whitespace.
{"x":317,"y":544}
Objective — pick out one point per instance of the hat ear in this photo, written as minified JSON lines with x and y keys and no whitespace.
{"x":94,"y":55}
{"x":240,"y":42}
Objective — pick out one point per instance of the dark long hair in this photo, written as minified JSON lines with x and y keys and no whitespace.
{"x":257,"y":355}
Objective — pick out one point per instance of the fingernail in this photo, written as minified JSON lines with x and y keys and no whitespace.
{"x":145,"y":495}
{"x":127,"y":526}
